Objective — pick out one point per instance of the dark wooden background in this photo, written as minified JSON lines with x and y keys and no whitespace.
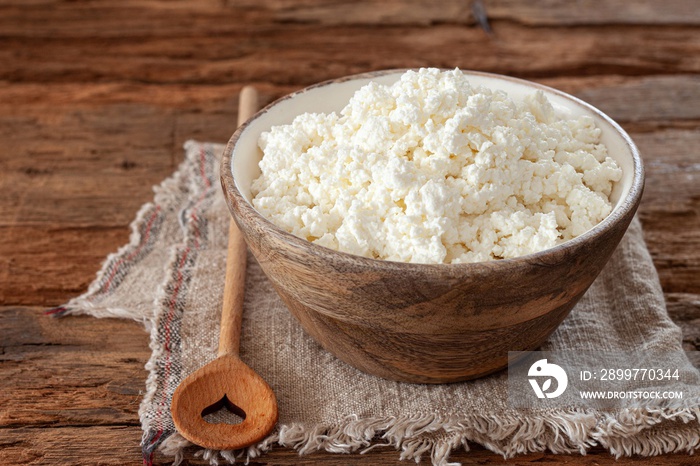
{"x":97,"y":97}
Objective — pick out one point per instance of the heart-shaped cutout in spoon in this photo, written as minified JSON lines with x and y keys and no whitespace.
{"x":223,"y":406}
{"x":227,"y":381}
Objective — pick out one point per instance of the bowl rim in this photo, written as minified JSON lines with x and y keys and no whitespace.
{"x":628,"y":204}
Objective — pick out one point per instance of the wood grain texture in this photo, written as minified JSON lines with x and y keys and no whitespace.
{"x":248,"y":53}
{"x":88,"y":89}
{"x":57,"y":373}
{"x":19,"y":15}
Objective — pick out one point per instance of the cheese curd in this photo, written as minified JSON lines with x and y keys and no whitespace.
{"x":433,"y":170}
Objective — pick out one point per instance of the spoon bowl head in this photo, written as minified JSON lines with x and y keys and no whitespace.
{"x":226,"y":382}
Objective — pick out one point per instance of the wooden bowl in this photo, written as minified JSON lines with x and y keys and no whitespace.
{"x":416,"y":322}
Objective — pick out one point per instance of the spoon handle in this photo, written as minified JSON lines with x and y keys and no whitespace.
{"x":234,"y":285}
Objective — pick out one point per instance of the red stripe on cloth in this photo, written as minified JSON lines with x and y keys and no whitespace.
{"x":133,"y":254}
{"x":55,"y":311}
{"x":168,"y":332}
{"x":169,"y":318}
{"x":167,"y":329}
{"x":149,"y":451}
{"x":173,"y":299}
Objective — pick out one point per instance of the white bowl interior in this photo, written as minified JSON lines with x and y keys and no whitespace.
{"x":333,"y":97}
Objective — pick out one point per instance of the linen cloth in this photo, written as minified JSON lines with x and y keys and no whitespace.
{"x":170,"y":276}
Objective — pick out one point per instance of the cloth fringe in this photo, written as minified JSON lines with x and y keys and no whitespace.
{"x":420,"y":435}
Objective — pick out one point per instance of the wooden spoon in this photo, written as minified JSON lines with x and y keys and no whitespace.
{"x":227,"y":381}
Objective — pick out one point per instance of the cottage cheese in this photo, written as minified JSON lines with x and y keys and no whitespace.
{"x":433,"y":170}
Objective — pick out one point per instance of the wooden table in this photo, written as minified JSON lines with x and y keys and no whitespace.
{"x":96,"y":99}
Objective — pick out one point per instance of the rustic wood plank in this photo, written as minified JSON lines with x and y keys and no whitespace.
{"x":425,"y":12}
{"x":666,"y":98}
{"x":109,"y":445}
{"x":70,"y":372}
{"x":364,"y":12}
{"x":129,"y":18}
{"x":670,"y":209}
{"x":34,"y":108}
{"x":60,"y":160}
{"x":361,"y":12}
{"x":558,"y":13}
{"x":298,"y":54}
{"x":213,"y":98}
{"x":46,"y":266}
